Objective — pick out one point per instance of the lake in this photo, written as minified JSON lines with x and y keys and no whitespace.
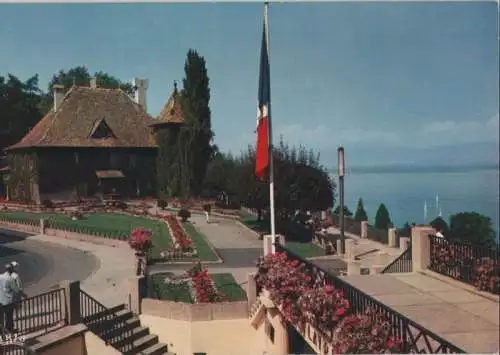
{"x":405,"y":194}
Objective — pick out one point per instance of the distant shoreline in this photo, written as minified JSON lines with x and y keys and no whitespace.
{"x":401,"y":169}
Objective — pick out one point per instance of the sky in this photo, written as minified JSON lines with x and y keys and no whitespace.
{"x":391,"y":82}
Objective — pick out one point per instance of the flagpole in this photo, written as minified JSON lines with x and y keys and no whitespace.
{"x":271,"y":160}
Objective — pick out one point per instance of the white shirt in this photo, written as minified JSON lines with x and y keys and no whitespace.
{"x":17,"y":279}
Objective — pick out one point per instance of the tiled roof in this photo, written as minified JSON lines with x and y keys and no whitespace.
{"x":81,"y":109}
{"x":172,"y":112}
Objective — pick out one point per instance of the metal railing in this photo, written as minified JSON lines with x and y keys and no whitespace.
{"x":402,"y":263}
{"x":41,"y":313}
{"x":464,"y":261}
{"x":350,"y":225}
{"x":415,"y":338}
{"x":105,"y":323}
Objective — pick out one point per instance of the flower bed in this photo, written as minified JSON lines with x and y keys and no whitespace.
{"x":183,"y":244}
{"x":474,"y":265}
{"x":304,"y":301}
{"x":195,"y":286}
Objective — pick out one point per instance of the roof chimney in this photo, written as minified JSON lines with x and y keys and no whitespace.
{"x":141,"y":89}
{"x":93,"y":83}
{"x":58,"y":91}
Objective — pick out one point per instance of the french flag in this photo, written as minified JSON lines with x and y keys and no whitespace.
{"x":263,"y":154}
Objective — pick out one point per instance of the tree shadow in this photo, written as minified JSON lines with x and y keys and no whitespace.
{"x":9,"y":236}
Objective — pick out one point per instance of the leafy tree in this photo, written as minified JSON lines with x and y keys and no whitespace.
{"x":440,"y":224}
{"x":19,"y":108}
{"x":197,"y":116}
{"x":347,"y":211}
{"x":80,"y":76}
{"x":382,"y":218}
{"x":360,"y":214}
{"x":472,"y":227}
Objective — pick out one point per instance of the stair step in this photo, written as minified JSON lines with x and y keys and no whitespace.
{"x":143,"y":342}
{"x":156,"y":349}
{"x":133,"y":321}
{"x":136,"y":333}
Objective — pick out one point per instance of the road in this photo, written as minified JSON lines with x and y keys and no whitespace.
{"x":43,"y":265}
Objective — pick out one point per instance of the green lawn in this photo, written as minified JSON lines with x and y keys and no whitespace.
{"x":157,"y":288}
{"x":227,"y":285}
{"x":258,"y":226}
{"x":205,"y":253}
{"x":110,"y":225}
{"x":180,"y":292}
{"x":304,"y":250}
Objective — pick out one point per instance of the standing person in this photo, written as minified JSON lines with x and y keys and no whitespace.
{"x":8,"y":290}
{"x":15,"y":275}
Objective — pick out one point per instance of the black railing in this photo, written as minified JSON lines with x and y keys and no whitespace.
{"x":402,"y":263}
{"x":105,"y":323}
{"x":415,"y":338}
{"x":350,"y":225}
{"x":468,"y":263}
{"x":41,"y":313}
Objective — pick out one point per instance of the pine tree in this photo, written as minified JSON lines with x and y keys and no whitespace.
{"x":360,"y":214}
{"x":197,"y":116}
{"x":382,"y":218}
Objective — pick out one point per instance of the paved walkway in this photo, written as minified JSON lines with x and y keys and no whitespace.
{"x":458,"y":315}
{"x":238,"y":248}
{"x":107,"y":282}
{"x":364,"y":247}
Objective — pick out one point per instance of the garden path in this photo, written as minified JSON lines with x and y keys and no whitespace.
{"x":464,"y":317}
{"x":236,"y":245}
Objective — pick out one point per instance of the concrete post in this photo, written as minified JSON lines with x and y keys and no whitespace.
{"x":404,"y":242}
{"x":339,"y":247}
{"x":420,"y":247}
{"x":392,"y":237}
{"x":136,"y":292}
{"x":251,"y":289}
{"x":364,"y":229}
{"x":42,"y":226}
{"x":353,"y":268}
{"x":376,"y":269}
{"x":72,"y":301}
{"x":268,"y":244}
{"x":381,"y":258}
{"x":349,"y":249}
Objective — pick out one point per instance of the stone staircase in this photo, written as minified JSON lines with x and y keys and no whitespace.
{"x":131,"y":338}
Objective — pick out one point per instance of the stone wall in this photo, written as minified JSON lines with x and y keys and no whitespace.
{"x":195,"y":312}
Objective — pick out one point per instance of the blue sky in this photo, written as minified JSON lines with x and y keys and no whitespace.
{"x":392,"y":82}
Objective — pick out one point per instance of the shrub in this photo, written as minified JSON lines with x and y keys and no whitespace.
{"x":365,"y":334}
{"x":47,"y":204}
{"x":487,"y":275}
{"x":162,"y":204}
{"x":184,"y":215}
{"x":140,"y":239}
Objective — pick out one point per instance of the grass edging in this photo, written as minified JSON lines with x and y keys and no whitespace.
{"x":207,"y":250}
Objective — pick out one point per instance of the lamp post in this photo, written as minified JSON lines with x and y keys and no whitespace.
{"x":341,"y":173}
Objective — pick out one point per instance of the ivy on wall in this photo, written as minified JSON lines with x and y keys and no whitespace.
{"x":23,"y":173}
